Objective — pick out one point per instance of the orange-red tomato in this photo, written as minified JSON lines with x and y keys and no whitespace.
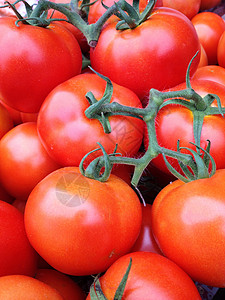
{"x":188,"y":223}
{"x":189,"y":7}
{"x":210,"y":72}
{"x":220,"y":51}
{"x":203,"y":58}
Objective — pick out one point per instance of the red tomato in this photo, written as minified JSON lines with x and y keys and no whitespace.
{"x":97,"y":9}
{"x":66,"y":287}
{"x":33,"y":61}
{"x":207,"y":4}
{"x":68,"y":134}
{"x":146,"y":57}
{"x":6,"y":122}
{"x":220,"y":51}
{"x":209,"y":27}
{"x":189,"y":8}
{"x":17,"y":255}
{"x":23,"y":160}
{"x":203,"y":58}
{"x":151,"y":277}
{"x":26,"y":288}
{"x":89,"y":224}
{"x":146,"y":240}
{"x":193,"y":212}
{"x":211,"y":72}
{"x":175,"y":122}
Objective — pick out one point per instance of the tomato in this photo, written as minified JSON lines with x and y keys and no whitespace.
{"x":80,"y":226}
{"x":193,"y":212}
{"x":33,"y":61}
{"x":209,"y":27}
{"x":68,"y":134}
{"x":23,"y":160}
{"x":189,"y":8}
{"x":17,"y":255}
{"x":97,"y":9}
{"x":207,"y":4}
{"x":6,"y":121}
{"x":220,"y":50}
{"x":151,"y":277}
{"x":146,"y":240}
{"x":146,"y":57}
{"x":67,"y":287}
{"x":211,"y":72}
{"x":175,"y":122}
{"x":203,"y":58}
{"x":26,"y":288}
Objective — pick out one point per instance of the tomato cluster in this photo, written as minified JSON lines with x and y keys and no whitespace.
{"x":75,"y":202}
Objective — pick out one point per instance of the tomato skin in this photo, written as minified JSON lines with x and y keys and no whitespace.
{"x":6,"y":121}
{"x":174,"y":123}
{"x":67,"y":287}
{"x":211,"y":72}
{"x":151,"y":276}
{"x":220,"y":51}
{"x":17,"y":255}
{"x":209,"y":27}
{"x":194,"y":213}
{"x":24,"y":161}
{"x":146,"y":240}
{"x":203,"y":58}
{"x":27,"y":51}
{"x":26,"y":288}
{"x":189,"y":8}
{"x":139,"y":58}
{"x":94,"y":220}
{"x":68,"y":135}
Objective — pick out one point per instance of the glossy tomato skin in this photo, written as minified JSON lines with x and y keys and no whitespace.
{"x":151,"y":277}
{"x":24,"y":161}
{"x":203,"y":58}
{"x":34,"y":60}
{"x":174,"y":123}
{"x":146,"y":57}
{"x":89,"y":224}
{"x":26,"y":288}
{"x":189,"y":8}
{"x":17,"y":255}
{"x":194,"y":213}
{"x":211,"y":72}
{"x":209,"y":27}
{"x":68,"y":135}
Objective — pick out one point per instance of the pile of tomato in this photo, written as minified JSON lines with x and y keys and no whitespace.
{"x":68,"y":234}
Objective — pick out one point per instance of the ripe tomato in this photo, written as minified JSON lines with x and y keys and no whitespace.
{"x":209,"y":27}
{"x":6,"y":121}
{"x":23,"y":160}
{"x":211,"y":72}
{"x":203,"y":58}
{"x":33,"y":61}
{"x":189,"y":8}
{"x":146,"y":240}
{"x":220,"y":51}
{"x":68,"y":134}
{"x":66,"y":287}
{"x":26,"y":288}
{"x":147,"y":56}
{"x":17,"y":255}
{"x":175,"y":122}
{"x":151,"y":277}
{"x":207,"y":4}
{"x":89,"y":224}
{"x":193,"y":212}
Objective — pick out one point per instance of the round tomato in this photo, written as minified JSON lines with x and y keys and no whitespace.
{"x":175,"y":122}
{"x":17,"y":255}
{"x":23,"y":160}
{"x":33,"y":61}
{"x":26,"y":288}
{"x":80,"y":226}
{"x":189,"y":8}
{"x":151,"y":277}
{"x":209,"y":27}
{"x":220,"y":51}
{"x":150,"y":55}
{"x":210,"y":72}
{"x":68,"y":135}
{"x":193,"y":214}
{"x":66,"y":287}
